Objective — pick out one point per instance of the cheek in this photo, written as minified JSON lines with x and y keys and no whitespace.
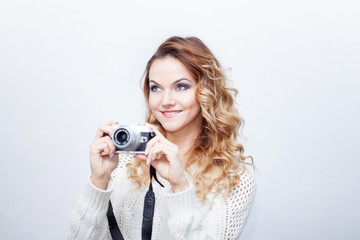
{"x":196,"y":106}
{"x":191,"y":101}
{"x":153,"y":101}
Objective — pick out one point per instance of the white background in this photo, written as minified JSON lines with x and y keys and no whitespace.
{"x":68,"y":66}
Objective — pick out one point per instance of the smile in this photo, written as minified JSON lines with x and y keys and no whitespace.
{"x":170,"y":113}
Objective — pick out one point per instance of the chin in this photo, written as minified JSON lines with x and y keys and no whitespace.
{"x":170,"y":127}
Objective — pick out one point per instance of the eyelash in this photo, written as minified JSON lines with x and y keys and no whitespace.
{"x":152,"y":88}
{"x":179,"y":87}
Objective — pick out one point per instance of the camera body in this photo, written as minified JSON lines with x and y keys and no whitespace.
{"x":131,"y":138}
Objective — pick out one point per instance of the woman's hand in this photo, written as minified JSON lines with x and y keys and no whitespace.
{"x":102,"y":156}
{"x":165,"y":158}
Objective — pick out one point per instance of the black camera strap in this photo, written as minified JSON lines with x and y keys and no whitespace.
{"x":148,"y":213}
{"x":113,"y":227}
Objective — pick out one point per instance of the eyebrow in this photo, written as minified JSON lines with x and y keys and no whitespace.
{"x":174,"y":83}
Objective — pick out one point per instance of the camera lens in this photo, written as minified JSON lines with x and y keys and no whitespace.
{"x":122,"y":137}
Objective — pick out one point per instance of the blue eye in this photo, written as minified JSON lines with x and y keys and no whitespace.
{"x":154,"y":88}
{"x":182,"y":87}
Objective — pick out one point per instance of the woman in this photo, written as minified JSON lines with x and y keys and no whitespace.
{"x":208,"y":190}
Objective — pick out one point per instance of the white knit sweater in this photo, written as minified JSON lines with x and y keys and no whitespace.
{"x":177,"y":216}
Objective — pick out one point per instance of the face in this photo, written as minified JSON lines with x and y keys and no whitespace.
{"x":172,"y":96}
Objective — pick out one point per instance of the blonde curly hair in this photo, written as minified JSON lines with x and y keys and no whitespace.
{"x":216,"y":159}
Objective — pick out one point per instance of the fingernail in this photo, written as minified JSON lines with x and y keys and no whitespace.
{"x":146,"y":151}
{"x":153,"y":158}
{"x":111,"y":155}
{"x":148,"y":161}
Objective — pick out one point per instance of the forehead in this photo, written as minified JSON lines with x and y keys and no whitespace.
{"x":168,"y":69}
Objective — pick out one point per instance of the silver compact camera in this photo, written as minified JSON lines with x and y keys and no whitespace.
{"x":131,"y":138}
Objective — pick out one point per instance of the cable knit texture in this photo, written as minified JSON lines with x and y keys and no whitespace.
{"x":177,"y":215}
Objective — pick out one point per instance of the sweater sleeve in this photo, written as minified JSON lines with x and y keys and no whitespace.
{"x":89,"y":220}
{"x":224,"y":219}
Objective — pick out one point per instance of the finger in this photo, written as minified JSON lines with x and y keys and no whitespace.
{"x":108,"y":130}
{"x":159,"y":134}
{"x":140,"y":156}
{"x":105,"y":128}
{"x":106,"y":149}
{"x":103,"y":146}
{"x":151,"y":143}
{"x":155,"y":129}
{"x":99,"y":148}
{"x":111,"y":145}
{"x":155,"y":153}
{"x":112,"y":122}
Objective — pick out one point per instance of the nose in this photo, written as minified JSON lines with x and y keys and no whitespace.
{"x":168,"y":99}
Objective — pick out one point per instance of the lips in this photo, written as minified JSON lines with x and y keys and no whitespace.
{"x":171,"y":113}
